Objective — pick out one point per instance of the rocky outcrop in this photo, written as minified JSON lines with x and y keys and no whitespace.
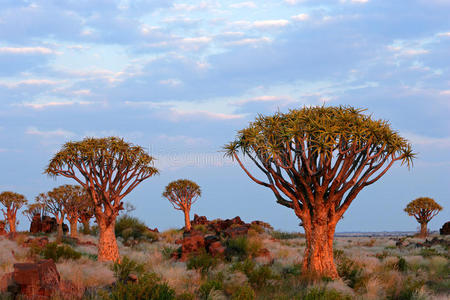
{"x":445,"y":230}
{"x":39,"y":280}
{"x":2,"y":228}
{"x":192,"y":243}
{"x":36,"y":224}
{"x":45,"y":224}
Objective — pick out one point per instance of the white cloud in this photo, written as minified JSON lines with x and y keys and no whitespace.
{"x":178,"y":114}
{"x":247,"y":4}
{"x":15,"y":84}
{"x":48,"y":134}
{"x":42,"y":105}
{"x":300,"y":17}
{"x":25,"y":50}
{"x":249,"y":41}
{"x":446,"y":34}
{"x":430,"y":142}
{"x":404,"y":51}
{"x":270,"y":23}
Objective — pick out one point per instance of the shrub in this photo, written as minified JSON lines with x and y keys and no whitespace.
{"x":283,"y":235}
{"x":323,"y":294}
{"x":128,"y":228}
{"x":56,"y":252}
{"x":409,"y":290}
{"x":167,"y":251}
{"x":127,"y":266}
{"x":202,"y":262}
{"x":206,"y":288}
{"x":348,"y":270}
{"x":258,"y":276}
{"x":401,"y":265}
{"x":149,"y":286}
{"x":244,"y":292}
{"x":237,"y":247}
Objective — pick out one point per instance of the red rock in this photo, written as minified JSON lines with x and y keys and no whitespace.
{"x":199,"y":220}
{"x":36,"y":224}
{"x":262,"y":224}
{"x":40,"y":242}
{"x":210,"y":239}
{"x":5,"y":281}
{"x":234,"y":232}
{"x":191,"y":244}
{"x":445,"y":230}
{"x":48,"y":224}
{"x":216,"y":249}
{"x":2,"y":228}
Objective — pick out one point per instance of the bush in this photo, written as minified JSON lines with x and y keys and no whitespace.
{"x":149,"y":286}
{"x":348,"y":270}
{"x":258,"y":276}
{"x":409,"y":290}
{"x":237,"y":247}
{"x":56,"y":252}
{"x":127,"y":266}
{"x":202,"y":262}
{"x":130,"y":228}
{"x":323,"y":294}
{"x":282,"y":235}
{"x":206,"y":288}
{"x":244,"y":292}
{"x":401,"y":265}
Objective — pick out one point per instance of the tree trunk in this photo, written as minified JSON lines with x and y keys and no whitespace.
{"x":73,"y":228}
{"x":187,"y":221}
{"x":12,"y":223}
{"x":59,"y":233}
{"x":107,"y":244}
{"x":423,"y":230}
{"x":86,"y":228}
{"x":318,"y":258}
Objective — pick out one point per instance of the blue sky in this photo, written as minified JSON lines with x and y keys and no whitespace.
{"x":181,"y":77}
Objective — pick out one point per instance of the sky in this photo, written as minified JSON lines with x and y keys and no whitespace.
{"x":180,"y":78}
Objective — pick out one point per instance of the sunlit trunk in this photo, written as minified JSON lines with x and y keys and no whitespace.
{"x":73,"y":228}
{"x":187,"y":221}
{"x":318,"y":257}
{"x":107,"y":244}
{"x":423,"y":230}
{"x":12,"y":223}
{"x":59,"y":233}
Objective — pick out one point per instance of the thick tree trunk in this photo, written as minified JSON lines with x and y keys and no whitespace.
{"x":318,"y":258}
{"x":73,"y":228}
{"x":12,"y":223}
{"x":187,"y":221}
{"x":423,"y":230}
{"x":60,"y":232}
{"x":107,"y":244}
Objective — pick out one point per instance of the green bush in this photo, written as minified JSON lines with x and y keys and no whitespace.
{"x":244,"y":292}
{"x":348,"y":270}
{"x":237,"y":247}
{"x":283,"y":235}
{"x":127,"y":266}
{"x":206,"y":288}
{"x":323,"y":294}
{"x":202,"y":262}
{"x":131,"y":228}
{"x":148,"y":287}
{"x":57,"y":252}
{"x":258,"y":276}
{"x":401,"y":265}
{"x":409,"y":290}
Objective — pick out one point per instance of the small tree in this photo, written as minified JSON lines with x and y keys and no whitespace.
{"x":32,"y":210}
{"x":55,"y":202}
{"x":75,"y":205}
{"x":182,"y":194}
{"x":316,"y":161}
{"x":423,"y":209}
{"x":109,"y":169}
{"x":85,"y":215}
{"x":12,"y":202}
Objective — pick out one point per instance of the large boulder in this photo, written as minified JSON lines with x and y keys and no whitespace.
{"x":49,"y":224}
{"x":2,"y":228}
{"x":36,"y":224}
{"x":199,"y":220}
{"x":445,"y":230}
{"x":191,"y":244}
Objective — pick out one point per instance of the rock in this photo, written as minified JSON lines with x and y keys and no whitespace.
{"x":132,"y":278}
{"x":36,"y":279}
{"x":2,"y":228}
{"x":209,"y":240}
{"x":36,"y":224}
{"x":199,"y":220}
{"x":445,"y":230}
{"x":48,"y":224}
{"x":262,"y":224}
{"x":216,"y":249}
{"x":153,"y":230}
{"x":40,"y":242}
{"x":5,"y":281}
{"x":191,"y":244}
{"x":263,"y":252}
{"x":234,"y":232}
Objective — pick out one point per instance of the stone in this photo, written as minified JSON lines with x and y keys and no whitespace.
{"x":39,"y":242}
{"x":191,"y":244}
{"x":216,"y":249}
{"x":262,"y":224}
{"x":48,"y":224}
{"x":2,"y":228}
{"x":210,"y":239}
{"x":234,"y":232}
{"x":199,"y":220}
{"x":36,"y":224}
{"x":445,"y":230}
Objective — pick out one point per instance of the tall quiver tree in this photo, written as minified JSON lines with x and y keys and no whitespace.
{"x":55,"y":203}
{"x":423,"y":209}
{"x":316,"y":161}
{"x":109,"y":169}
{"x":182,"y":193}
{"x":12,"y":202}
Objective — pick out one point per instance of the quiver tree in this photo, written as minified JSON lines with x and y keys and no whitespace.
{"x":423,"y":209}
{"x":109,"y":169}
{"x":182,"y":193}
{"x":32,"y":210}
{"x":78,"y":201}
{"x":54,"y":203}
{"x":12,"y":202}
{"x":316,"y":160}
{"x":85,"y":215}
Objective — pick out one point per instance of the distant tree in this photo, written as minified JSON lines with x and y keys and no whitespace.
{"x":109,"y":169}
{"x":85,"y":215}
{"x":79,"y":201}
{"x":33,"y":209}
{"x":317,"y":160}
{"x":55,"y":202}
{"x":423,"y":209}
{"x":12,"y":202}
{"x":182,"y":194}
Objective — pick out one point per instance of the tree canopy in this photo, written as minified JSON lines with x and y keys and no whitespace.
{"x":182,"y":193}
{"x":423,"y":209}
{"x":12,"y":200}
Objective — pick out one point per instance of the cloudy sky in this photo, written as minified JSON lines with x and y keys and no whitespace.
{"x":181,"y":77}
